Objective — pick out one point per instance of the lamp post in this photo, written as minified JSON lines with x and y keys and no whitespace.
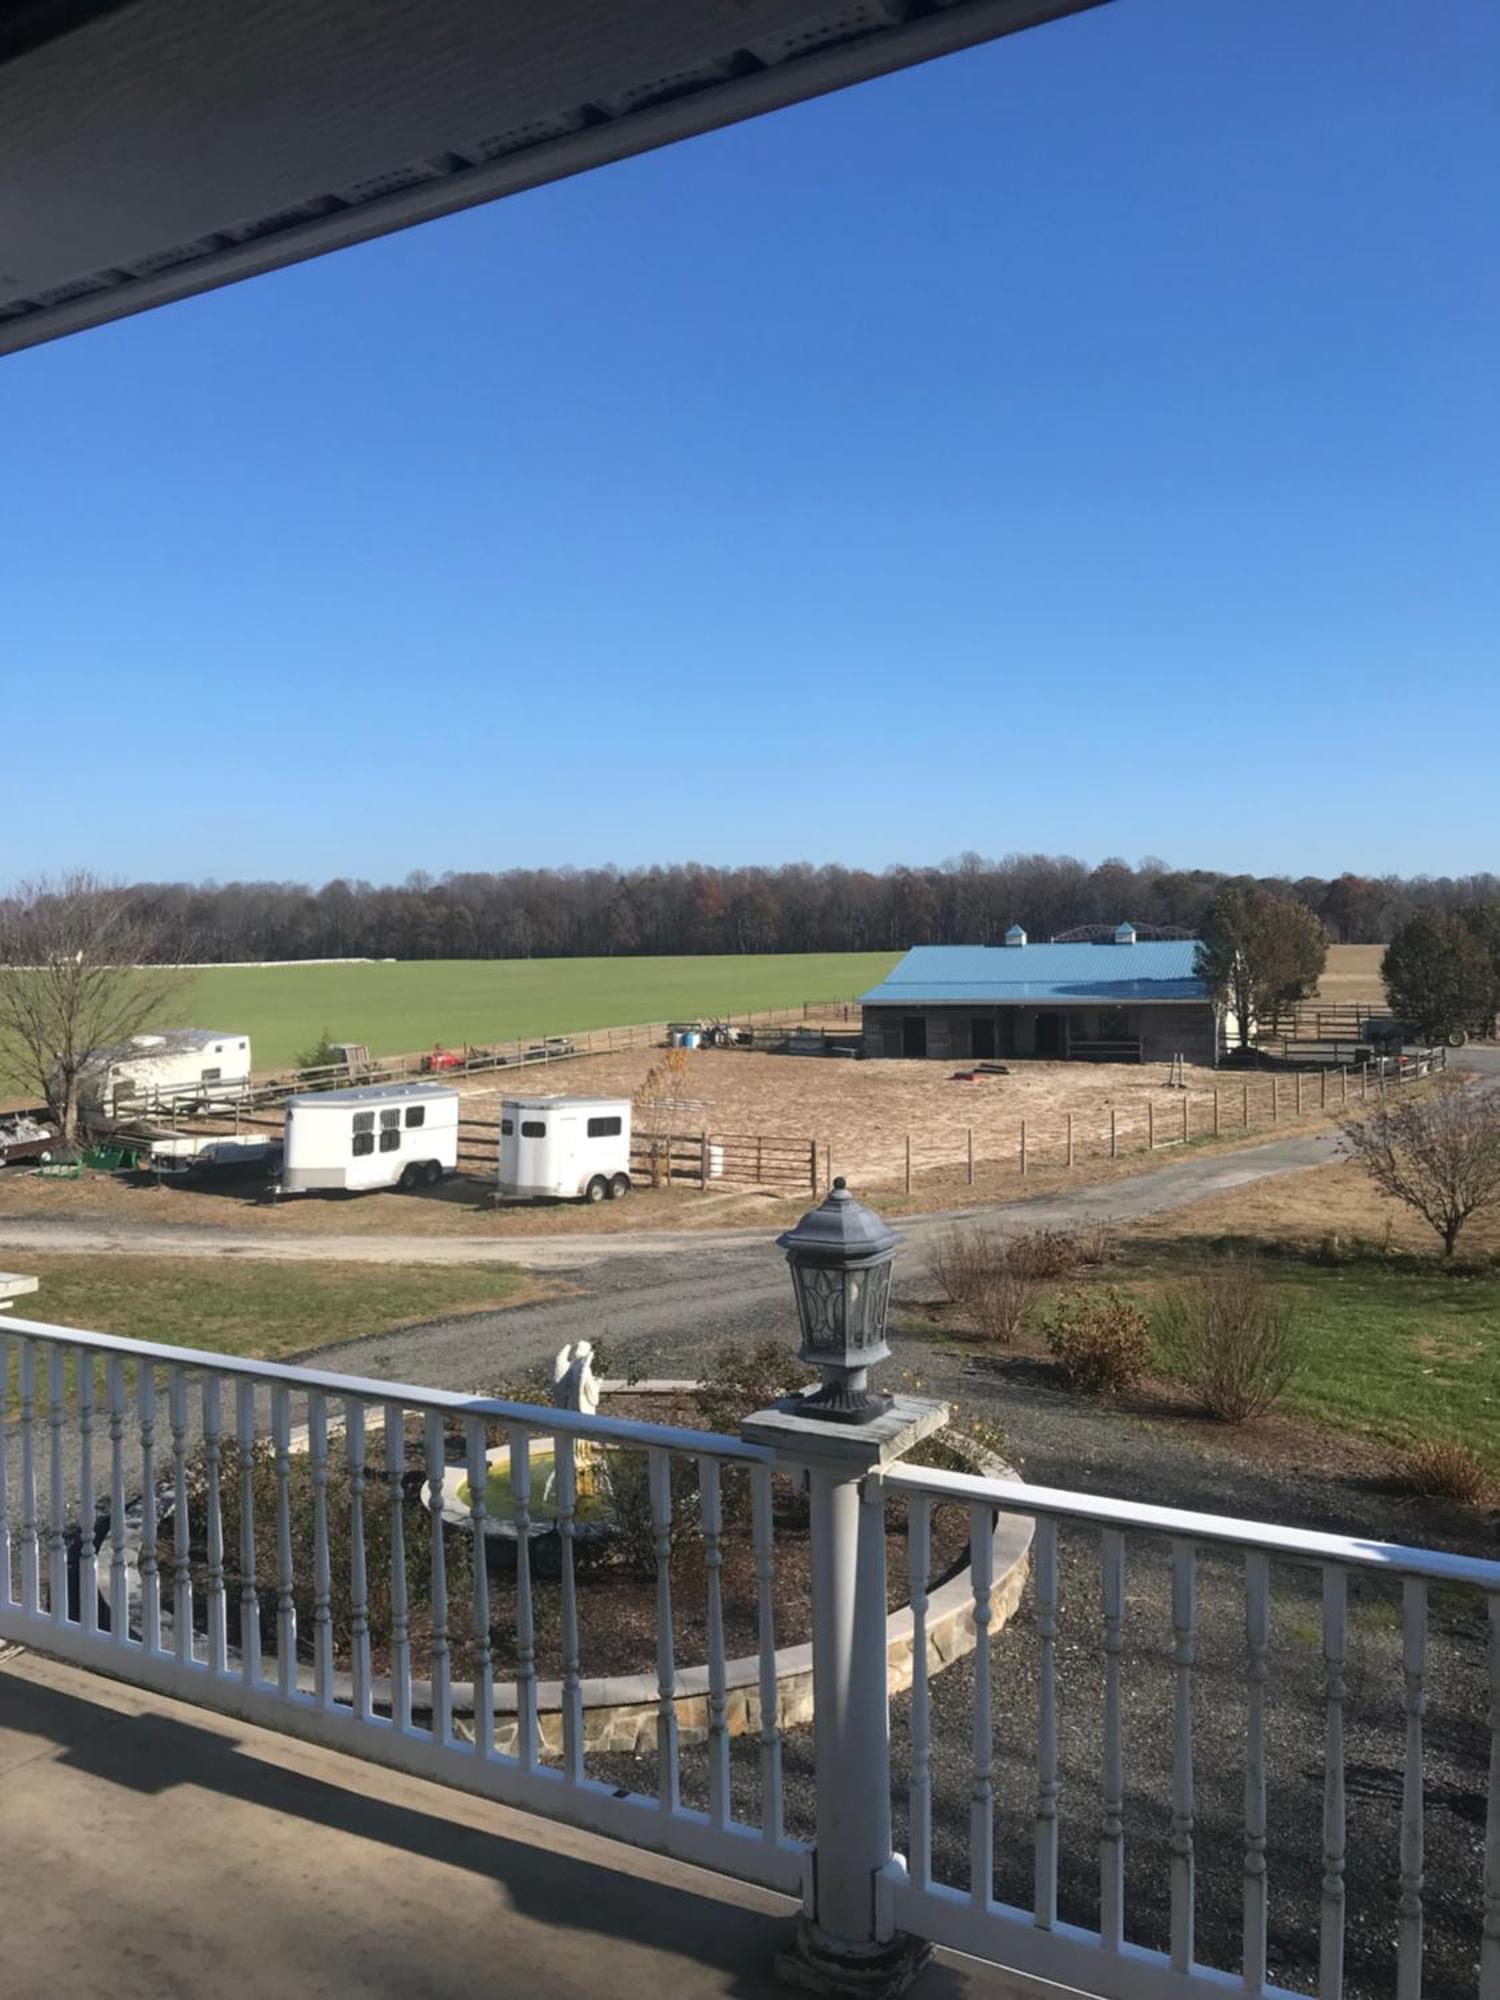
{"x":841,"y":1436}
{"x":841,"y":1255}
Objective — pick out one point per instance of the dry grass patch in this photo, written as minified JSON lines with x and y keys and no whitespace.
{"x":1445,"y":1469}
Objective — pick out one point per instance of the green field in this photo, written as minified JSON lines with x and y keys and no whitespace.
{"x":410,"y":1005}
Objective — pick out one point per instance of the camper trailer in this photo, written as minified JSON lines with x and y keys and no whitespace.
{"x":402,"y":1135}
{"x":570,"y":1147}
{"x":180,"y":1069}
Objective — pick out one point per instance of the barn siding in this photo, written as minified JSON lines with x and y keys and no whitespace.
{"x":1164,"y":1030}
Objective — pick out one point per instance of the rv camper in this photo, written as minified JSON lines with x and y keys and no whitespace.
{"x":565,"y":1146}
{"x":182,"y":1069}
{"x":402,"y":1135}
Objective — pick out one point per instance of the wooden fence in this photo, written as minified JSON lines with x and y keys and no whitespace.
{"x":680,"y":1159}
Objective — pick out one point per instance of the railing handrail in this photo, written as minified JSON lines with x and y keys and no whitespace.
{"x":410,"y":1395}
{"x":1181,"y":1524}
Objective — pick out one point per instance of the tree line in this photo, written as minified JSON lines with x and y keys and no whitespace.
{"x":692,"y":909}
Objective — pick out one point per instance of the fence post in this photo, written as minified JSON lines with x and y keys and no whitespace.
{"x":1364,"y":1082}
{"x":1322,"y":1090}
{"x":1070,"y":1138}
{"x":1343,"y":1086}
{"x":908,"y":1163}
{"x":1275,"y":1098}
{"x":812,"y":1145}
{"x":1245,"y":1117}
{"x":1023,"y":1145}
{"x":703,"y":1165}
{"x":1216,"y":1111}
{"x":1112,"y":1145}
{"x":971,"y":1155}
{"x":1184,"y":1118}
{"x":845,"y":1941}
{"x":1299,"y":1093}
{"x":1150,"y":1125}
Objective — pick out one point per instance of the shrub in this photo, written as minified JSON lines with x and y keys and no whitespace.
{"x":320,"y":1054}
{"x":740,"y":1380}
{"x":1044,"y":1253}
{"x":1444,"y":1469}
{"x":625,"y":1476}
{"x":1101,"y":1341}
{"x":998,"y":1303}
{"x":960,"y":1259}
{"x":1225,"y":1335}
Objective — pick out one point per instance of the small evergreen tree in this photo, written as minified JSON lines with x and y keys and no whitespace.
{"x":1437,"y":975}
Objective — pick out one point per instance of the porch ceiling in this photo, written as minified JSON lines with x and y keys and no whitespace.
{"x":168,"y":146}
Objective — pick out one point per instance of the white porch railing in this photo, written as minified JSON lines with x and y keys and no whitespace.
{"x":201,"y":1525}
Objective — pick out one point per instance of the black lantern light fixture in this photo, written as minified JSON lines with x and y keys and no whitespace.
{"x":841,"y":1256}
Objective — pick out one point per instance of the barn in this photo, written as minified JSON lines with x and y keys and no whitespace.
{"x":1121,"y":998}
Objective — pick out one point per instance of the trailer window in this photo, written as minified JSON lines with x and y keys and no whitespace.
{"x":416,"y":1114}
{"x":364,"y":1121}
{"x":604,"y":1128}
{"x":211,"y":1075}
{"x":533,"y":1128}
{"x":390,"y":1139}
{"x":389,"y":1118}
{"x":507,"y":1127}
{"x":364,"y":1142}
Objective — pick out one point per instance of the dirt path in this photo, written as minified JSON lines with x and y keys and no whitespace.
{"x":1168,"y":1186}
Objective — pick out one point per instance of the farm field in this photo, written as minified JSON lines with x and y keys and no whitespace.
{"x":1353,"y":974}
{"x":401,"y":1007}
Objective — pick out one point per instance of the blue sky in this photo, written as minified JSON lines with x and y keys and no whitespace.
{"x":1087,"y":444}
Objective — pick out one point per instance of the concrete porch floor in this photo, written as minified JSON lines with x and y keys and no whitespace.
{"x":151,"y":1849}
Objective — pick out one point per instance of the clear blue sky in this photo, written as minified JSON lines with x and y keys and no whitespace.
{"x":1087,"y":444}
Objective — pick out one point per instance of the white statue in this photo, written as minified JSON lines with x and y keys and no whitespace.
{"x":575,"y":1386}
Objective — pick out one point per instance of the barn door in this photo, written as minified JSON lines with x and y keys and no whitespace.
{"x":914,"y":1035}
{"x":982,"y":1037}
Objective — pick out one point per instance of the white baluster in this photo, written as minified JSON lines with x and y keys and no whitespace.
{"x":249,"y":1592}
{"x":31,"y":1582}
{"x":764,"y":1539}
{"x":1489,"y":1944}
{"x":88,"y":1511}
{"x":1257,"y":1671}
{"x":982,"y":1784}
{"x":395,"y":1469}
{"x":182,"y":1547}
{"x":7,"y":1581}
{"x":119,"y":1575}
{"x":442,"y":1675}
{"x":1331,"y":1938}
{"x":57,"y":1500}
{"x":1184,"y":1611}
{"x":286,"y":1600}
{"x":520,"y":1494}
{"x":711,"y":1503}
{"x":317,"y":1456}
{"x":484,"y":1661}
{"x":359,"y":1580}
{"x":572,"y":1677}
{"x":919,"y":1796}
{"x":149,"y":1567}
{"x":1112,"y":1829}
{"x":1044,"y":1558}
{"x":1414,"y":1670}
{"x":213,"y":1429}
{"x":660,"y":1465}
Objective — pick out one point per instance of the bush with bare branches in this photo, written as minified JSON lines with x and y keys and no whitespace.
{"x":1444,"y":1469}
{"x":1225,"y":1335}
{"x":1101,"y":1341}
{"x":1439,"y":1154}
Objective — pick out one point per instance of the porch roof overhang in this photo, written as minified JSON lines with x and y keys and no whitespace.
{"x":159,"y":148}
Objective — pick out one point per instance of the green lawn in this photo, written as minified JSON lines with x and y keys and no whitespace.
{"x":394,"y":1008}
{"x":262,"y":1307}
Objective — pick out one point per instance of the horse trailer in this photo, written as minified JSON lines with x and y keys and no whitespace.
{"x":181,"y":1069}
{"x":565,"y":1147}
{"x":379,"y":1135}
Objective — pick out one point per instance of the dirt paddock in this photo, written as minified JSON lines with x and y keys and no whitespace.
{"x":864,"y":1112}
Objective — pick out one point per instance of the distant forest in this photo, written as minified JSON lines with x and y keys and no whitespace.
{"x":610,"y":912}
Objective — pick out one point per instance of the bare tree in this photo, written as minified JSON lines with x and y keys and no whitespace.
{"x":83,"y":967}
{"x":1439,"y":1154}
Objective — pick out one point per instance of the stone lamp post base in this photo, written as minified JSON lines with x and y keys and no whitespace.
{"x":818,"y":1965}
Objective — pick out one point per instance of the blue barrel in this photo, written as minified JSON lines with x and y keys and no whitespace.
{"x":690,"y":1039}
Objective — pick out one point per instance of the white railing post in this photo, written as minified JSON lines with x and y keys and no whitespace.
{"x":846,"y":1929}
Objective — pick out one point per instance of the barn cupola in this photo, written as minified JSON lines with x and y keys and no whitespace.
{"x":1124,"y":933}
{"x":1015,"y":935}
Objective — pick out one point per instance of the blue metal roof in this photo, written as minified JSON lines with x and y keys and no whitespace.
{"x":958,"y":974}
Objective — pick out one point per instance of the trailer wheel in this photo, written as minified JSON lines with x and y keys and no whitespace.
{"x":1457,"y":1037}
{"x":597,"y":1189}
{"x":432,"y":1173}
{"x":619,"y":1187}
{"x":411,"y":1173}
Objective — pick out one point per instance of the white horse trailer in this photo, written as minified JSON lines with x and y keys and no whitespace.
{"x":565,"y":1146}
{"x":402,"y":1135}
{"x":179,"y":1069}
